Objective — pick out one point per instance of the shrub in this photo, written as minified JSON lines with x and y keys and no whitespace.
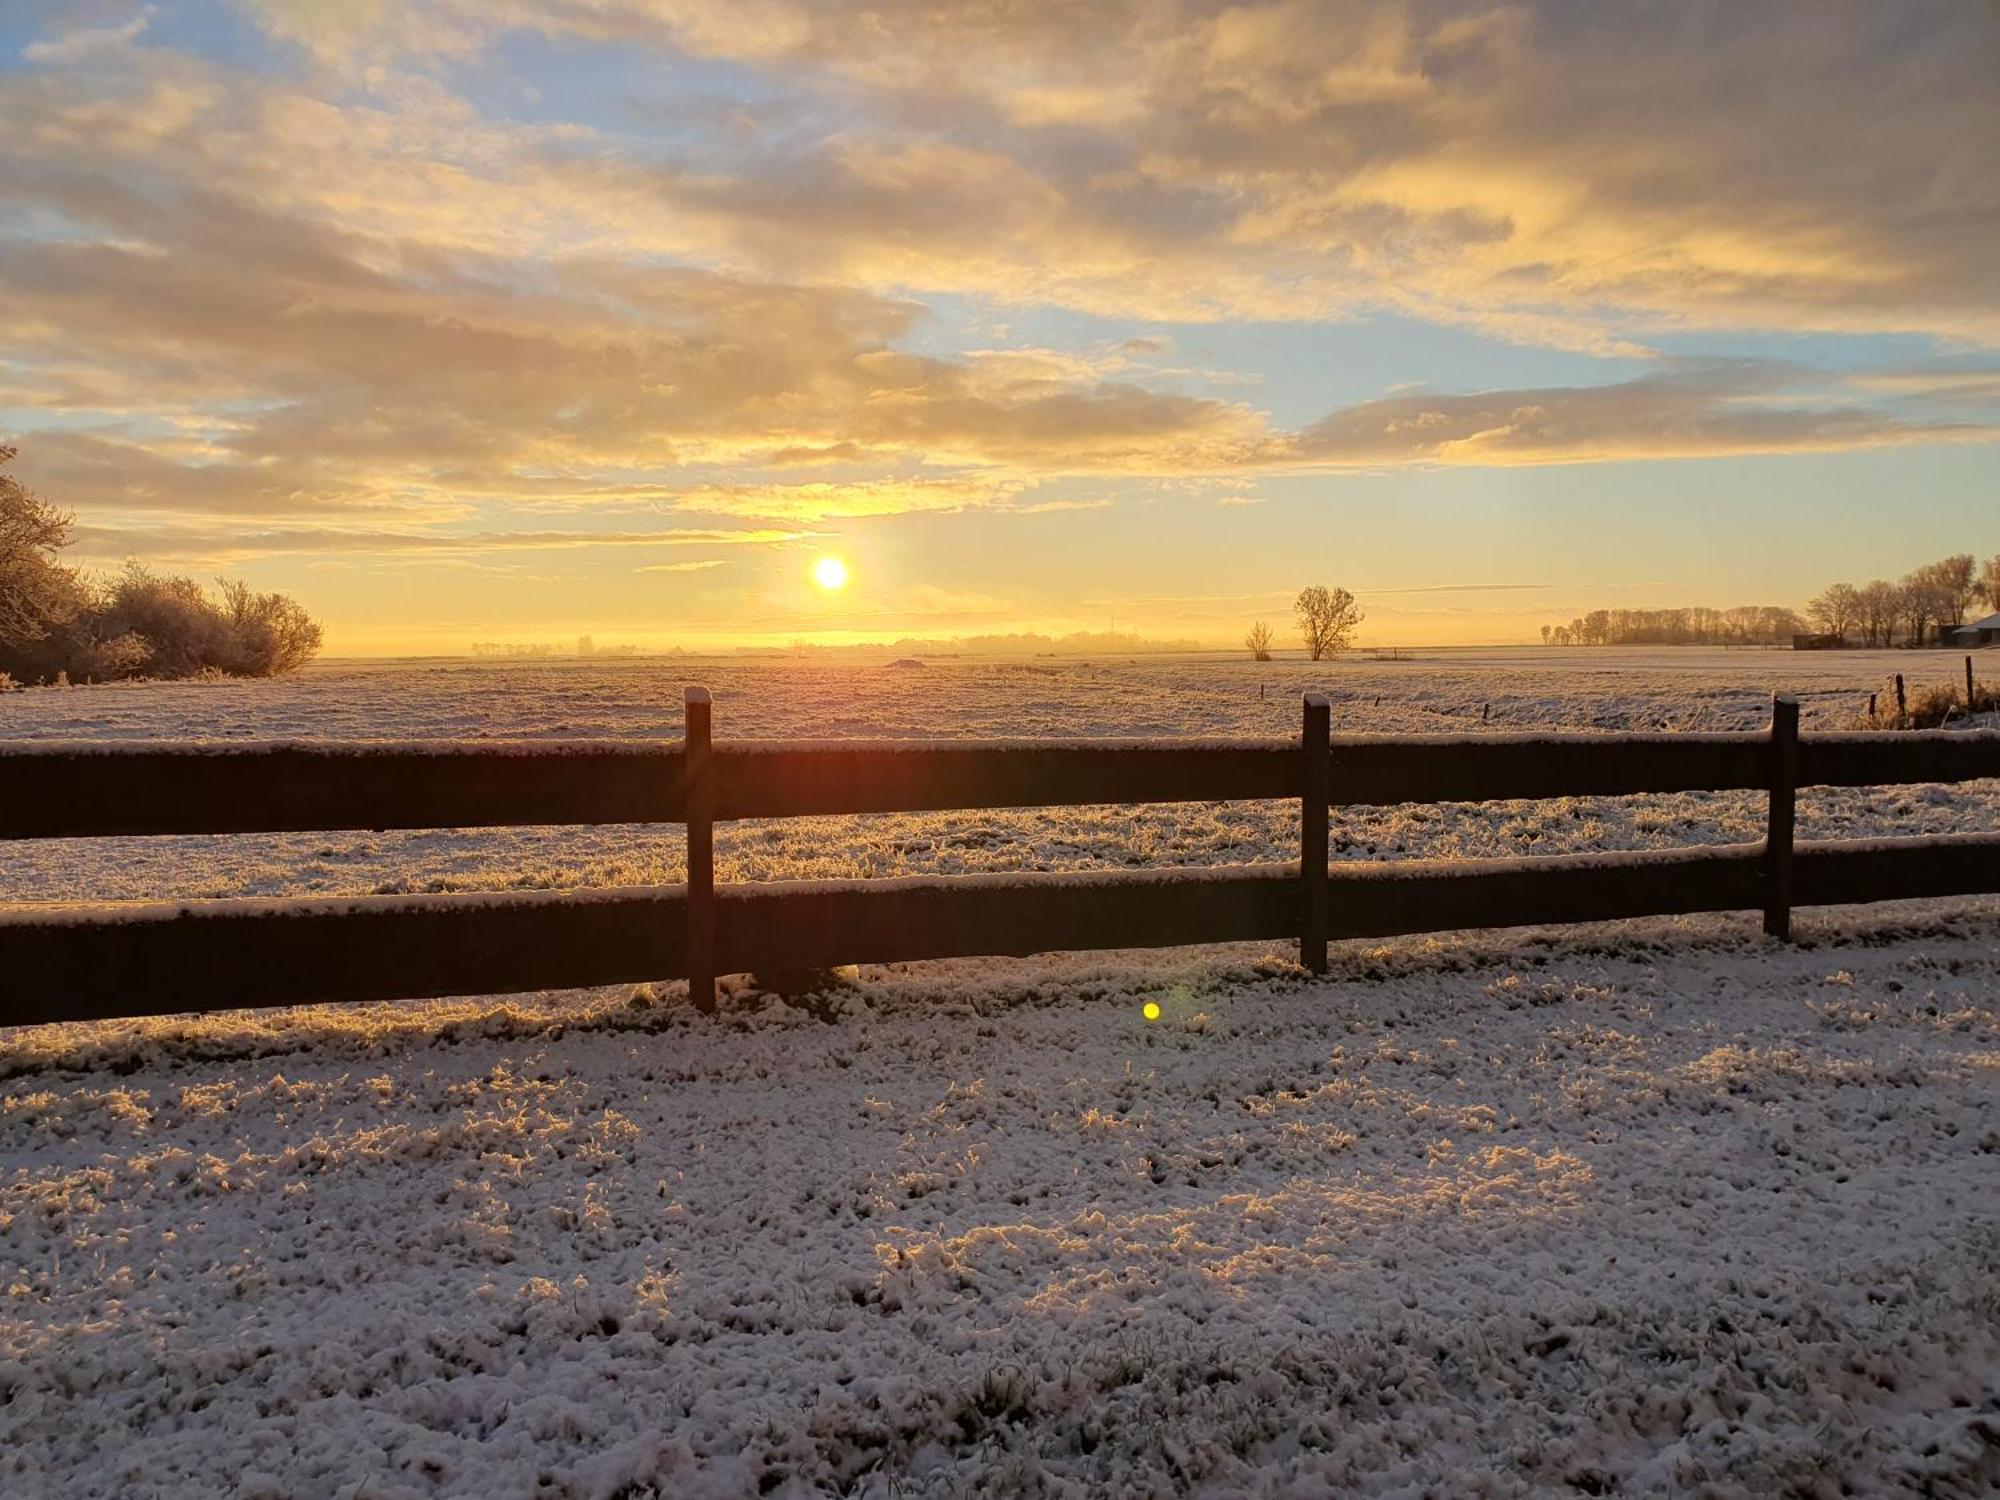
{"x":1932,"y":707}
{"x":55,"y":624}
{"x":272,"y":634}
{"x":180,"y":626}
{"x":127,"y":655}
{"x":141,"y":624}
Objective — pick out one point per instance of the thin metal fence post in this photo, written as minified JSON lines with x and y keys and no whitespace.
{"x":1784,"y":807}
{"x":698,"y":773}
{"x":1317,"y":792}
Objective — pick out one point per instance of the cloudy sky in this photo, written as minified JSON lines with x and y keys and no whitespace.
{"x":503,"y":320}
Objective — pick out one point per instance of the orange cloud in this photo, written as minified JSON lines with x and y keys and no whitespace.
{"x":349,"y":295}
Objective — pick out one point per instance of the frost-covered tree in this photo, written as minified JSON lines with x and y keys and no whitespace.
{"x":270,"y":633}
{"x":38,"y":595}
{"x":1327,"y":619}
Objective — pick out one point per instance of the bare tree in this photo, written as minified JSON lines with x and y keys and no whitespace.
{"x":1259,"y":641}
{"x":1837,"y":611}
{"x":1920,"y":605}
{"x":1881,"y":606}
{"x":1327,"y":619}
{"x":1954,"y":585}
{"x":1989,"y":580}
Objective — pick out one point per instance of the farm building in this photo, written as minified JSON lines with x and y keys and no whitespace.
{"x":1984,"y":632}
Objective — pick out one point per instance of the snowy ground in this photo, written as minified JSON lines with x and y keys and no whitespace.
{"x":1660,"y":1207}
{"x":1669,"y":1210}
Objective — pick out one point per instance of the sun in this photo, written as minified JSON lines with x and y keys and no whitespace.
{"x":830,"y":573}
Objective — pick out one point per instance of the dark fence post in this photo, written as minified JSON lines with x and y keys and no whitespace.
{"x":1784,"y":808}
{"x":1902,"y":704}
{"x":1314,"y":799}
{"x":698,"y":766}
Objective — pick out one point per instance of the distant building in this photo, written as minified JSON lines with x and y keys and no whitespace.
{"x":1818,"y":642}
{"x":1984,"y":632}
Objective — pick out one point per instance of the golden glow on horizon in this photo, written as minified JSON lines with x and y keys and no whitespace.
{"x":1393,"y":280}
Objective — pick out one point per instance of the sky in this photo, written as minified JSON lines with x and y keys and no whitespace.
{"x":493,"y":320}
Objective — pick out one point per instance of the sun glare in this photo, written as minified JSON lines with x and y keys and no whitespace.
{"x":830,"y":573}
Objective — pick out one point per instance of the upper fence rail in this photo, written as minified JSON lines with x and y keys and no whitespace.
{"x":59,"y":790}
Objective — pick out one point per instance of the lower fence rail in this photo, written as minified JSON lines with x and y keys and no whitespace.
{"x":82,"y":963}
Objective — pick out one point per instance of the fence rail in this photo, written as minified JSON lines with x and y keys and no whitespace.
{"x":120,"y":789}
{"x":70,"y":963}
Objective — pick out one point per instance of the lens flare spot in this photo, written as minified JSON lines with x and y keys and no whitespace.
{"x":1150,"y":1010}
{"x":830,"y":573}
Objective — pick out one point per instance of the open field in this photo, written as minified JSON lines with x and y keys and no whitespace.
{"x":1659,"y":1207}
{"x":1439,"y":692}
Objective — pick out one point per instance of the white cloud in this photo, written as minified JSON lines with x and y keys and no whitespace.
{"x":75,"y":46}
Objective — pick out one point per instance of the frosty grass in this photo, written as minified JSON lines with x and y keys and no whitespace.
{"x":1656,"y":1207}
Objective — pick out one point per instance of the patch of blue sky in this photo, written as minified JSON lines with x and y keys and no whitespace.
{"x":1296,"y":371}
{"x":211,"y":418}
{"x":1833,"y":352}
{"x":215,"y":32}
{"x":697,"y":107}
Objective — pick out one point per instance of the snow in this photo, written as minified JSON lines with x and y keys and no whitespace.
{"x":1467,"y":1217}
{"x":1645,"y":1207}
{"x":1534,"y":692}
{"x":1434,"y":691}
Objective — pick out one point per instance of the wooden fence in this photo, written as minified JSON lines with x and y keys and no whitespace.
{"x":128,"y":959}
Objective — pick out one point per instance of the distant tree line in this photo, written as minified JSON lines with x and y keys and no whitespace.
{"x":59,"y":624}
{"x":1745,"y":625}
{"x":1917,"y":610}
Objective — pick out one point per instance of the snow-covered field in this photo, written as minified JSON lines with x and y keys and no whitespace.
{"x":1662,"y":1207}
{"x":1442,"y":692}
